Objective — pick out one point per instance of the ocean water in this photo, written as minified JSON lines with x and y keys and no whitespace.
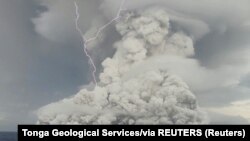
{"x":8,"y":136}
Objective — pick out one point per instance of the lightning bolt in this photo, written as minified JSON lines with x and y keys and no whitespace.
{"x":85,"y":41}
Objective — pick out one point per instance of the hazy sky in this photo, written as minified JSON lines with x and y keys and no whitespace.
{"x":41,"y":58}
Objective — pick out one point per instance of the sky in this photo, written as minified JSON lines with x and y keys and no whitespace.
{"x":42,"y":60}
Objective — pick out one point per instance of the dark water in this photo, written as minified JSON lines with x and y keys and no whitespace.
{"x":8,"y":136}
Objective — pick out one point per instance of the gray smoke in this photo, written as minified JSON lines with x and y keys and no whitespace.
{"x":146,"y":95}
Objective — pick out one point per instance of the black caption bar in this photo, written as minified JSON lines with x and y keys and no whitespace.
{"x":82,"y":132}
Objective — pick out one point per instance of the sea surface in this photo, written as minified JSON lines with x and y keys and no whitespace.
{"x":8,"y":136}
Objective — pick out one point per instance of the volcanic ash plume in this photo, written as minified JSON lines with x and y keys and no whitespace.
{"x":147,"y":96}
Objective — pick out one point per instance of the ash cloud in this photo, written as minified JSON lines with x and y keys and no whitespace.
{"x":213,"y":64}
{"x":41,"y":59}
{"x":154,"y":96}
